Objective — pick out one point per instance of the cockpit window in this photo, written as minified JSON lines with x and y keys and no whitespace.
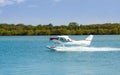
{"x":63,"y":39}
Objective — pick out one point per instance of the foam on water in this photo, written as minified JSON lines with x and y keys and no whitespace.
{"x":87,"y":49}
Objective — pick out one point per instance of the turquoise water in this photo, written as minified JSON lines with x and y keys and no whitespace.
{"x":28,"y":55}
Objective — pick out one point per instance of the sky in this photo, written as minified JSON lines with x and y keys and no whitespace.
{"x":59,"y":12}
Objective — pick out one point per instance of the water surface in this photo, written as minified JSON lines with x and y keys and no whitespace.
{"x":28,"y":55}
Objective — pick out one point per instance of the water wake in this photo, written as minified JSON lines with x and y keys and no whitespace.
{"x":86,"y":49}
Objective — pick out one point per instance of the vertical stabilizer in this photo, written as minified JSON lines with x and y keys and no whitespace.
{"x":89,"y":39}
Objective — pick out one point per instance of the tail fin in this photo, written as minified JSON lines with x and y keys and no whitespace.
{"x":89,"y":39}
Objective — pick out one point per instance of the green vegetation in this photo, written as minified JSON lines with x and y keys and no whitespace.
{"x":72,"y":28}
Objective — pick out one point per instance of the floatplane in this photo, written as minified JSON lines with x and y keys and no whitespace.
{"x":65,"y":42}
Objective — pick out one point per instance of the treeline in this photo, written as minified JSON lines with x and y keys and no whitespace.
{"x":72,"y":28}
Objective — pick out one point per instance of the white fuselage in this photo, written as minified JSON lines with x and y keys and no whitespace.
{"x":78,"y":43}
{"x":67,"y":41}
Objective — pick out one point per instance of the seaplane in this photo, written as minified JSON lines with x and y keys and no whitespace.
{"x":65,"y":42}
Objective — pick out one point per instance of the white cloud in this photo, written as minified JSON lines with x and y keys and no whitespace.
{"x":10,"y":2}
{"x":56,"y":0}
{"x":19,"y":1}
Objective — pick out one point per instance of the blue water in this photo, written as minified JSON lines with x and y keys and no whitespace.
{"x":28,"y":55}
